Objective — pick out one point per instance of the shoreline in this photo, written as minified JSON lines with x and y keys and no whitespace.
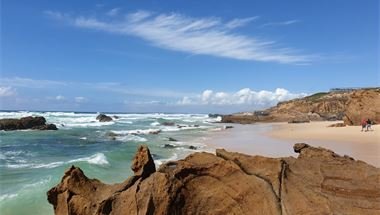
{"x":277,"y":139}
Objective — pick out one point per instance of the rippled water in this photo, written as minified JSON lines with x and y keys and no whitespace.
{"x":31,"y":162}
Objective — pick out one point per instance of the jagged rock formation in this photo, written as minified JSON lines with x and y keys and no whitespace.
{"x":104,"y":118}
{"x":351,"y":105}
{"x":36,"y":123}
{"x":317,"y":182}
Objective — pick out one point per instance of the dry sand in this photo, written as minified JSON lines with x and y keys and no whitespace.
{"x":320,"y":131}
{"x":277,"y":139}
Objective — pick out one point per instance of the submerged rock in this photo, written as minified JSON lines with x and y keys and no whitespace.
{"x":169,"y":146}
{"x":103,"y":118}
{"x":168,"y":123}
{"x":317,"y":182}
{"x":172,"y":139}
{"x":36,"y":123}
{"x":193,"y":147}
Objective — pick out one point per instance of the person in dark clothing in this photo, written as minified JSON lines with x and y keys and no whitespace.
{"x":369,"y":123}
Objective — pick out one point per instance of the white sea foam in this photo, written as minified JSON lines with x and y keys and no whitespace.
{"x":8,"y":196}
{"x":125,"y":122}
{"x":90,"y":124}
{"x":161,"y":161}
{"x":137,"y":131}
{"x":130,"y":137}
{"x":83,"y":138}
{"x":155,"y":123}
{"x":97,"y":159}
{"x":38,"y":183}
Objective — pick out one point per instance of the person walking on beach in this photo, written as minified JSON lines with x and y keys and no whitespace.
{"x":364,"y":124}
{"x":369,"y":123}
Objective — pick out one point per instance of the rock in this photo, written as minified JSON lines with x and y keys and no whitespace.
{"x":155,"y":131}
{"x":228,"y":127}
{"x":143,"y":164}
{"x":339,"y":124}
{"x":169,"y":146}
{"x":299,"y":121}
{"x":172,"y":139}
{"x":317,"y":182}
{"x":36,"y":123}
{"x":168,"y":123}
{"x":116,"y":117}
{"x":320,"y":106}
{"x":103,"y":118}
{"x":299,"y":146}
{"x":193,"y":147}
{"x":210,"y":115}
{"x":364,"y":104}
{"x":181,"y":126}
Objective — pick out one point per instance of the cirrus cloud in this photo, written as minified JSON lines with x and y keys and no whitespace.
{"x":198,"y":36}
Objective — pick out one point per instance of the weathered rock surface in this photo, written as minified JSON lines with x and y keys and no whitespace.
{"x":104,"y":118}
{"x":350,"y":106}
{"x":364,"y":104}
{"x":36,"y":123}
{"x":317,"y":182}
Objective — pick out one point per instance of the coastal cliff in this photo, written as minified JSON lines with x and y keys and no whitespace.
{"x":350,"y":106}
{"x":317,"y":182}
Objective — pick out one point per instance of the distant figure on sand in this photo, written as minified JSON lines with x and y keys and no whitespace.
{"x":369,"y":123}
{"x":364,"y":124}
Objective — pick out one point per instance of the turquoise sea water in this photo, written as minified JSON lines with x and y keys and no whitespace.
{"x":31,"y":162}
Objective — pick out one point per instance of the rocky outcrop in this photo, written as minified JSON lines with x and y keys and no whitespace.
{"x":104,"y":118}
{"x":36,"y":123}
{"x":317,"y":182}
{"x":349,"y":106}
{"x":364,"y":104}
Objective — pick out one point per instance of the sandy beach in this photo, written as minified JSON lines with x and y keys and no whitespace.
{"x":277,"y":139}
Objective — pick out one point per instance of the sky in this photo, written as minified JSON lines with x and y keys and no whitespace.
{"x":194,"y":56}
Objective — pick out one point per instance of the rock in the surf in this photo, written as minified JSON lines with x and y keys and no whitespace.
{"x":35,"y":123}
{"x":103,"y":118}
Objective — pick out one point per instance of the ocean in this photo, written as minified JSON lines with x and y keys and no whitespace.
{"x":32,"y":162}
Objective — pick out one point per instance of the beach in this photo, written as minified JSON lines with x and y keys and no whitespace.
{"x":277,"y":139}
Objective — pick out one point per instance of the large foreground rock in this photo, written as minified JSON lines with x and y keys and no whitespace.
{"x":37,"y":123}
{"x":317,"y":182}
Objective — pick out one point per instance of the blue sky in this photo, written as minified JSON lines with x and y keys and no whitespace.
{"x":182,"y":56}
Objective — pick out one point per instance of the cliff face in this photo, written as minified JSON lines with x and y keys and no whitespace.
{"x":317,"y":182}
{"x":321,"y":106}
{"x":362,"y":105}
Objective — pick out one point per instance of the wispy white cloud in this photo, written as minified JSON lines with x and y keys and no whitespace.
{"x":197,"y":36}
{"x":284,"y":23}
{"x":31,"y":83}
{"x":235,"y":23}
{"x":110,"y":87}
{"x":244,"y":96}
{"x":113,"y":12}
{"x":7,"y":91}
{"x":60,"y":98}
{"x":80,"y":99}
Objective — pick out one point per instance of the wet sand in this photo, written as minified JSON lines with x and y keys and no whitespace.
{"x":277,"y":139}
